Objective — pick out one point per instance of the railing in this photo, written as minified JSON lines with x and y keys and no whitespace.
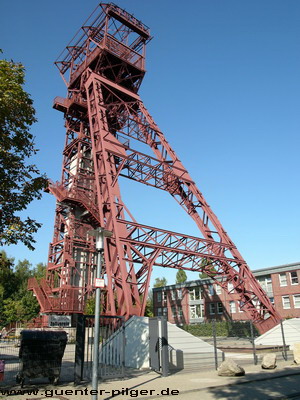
{"x":124,"y":52}
{"x":80,"y":196}
{"x":40,"y":294}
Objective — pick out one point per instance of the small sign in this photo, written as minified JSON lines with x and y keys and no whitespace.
{"x":99,"y":283}
{"x":63,"y":321}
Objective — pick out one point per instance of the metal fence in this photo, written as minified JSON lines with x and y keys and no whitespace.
{"x":236,"y":339}
{"x":111,"y":347}
{"x":9,"y":353}
{"x":231,"y":339}
{"x":78,"y":355}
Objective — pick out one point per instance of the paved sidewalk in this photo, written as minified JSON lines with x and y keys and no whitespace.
{"x":257,"y":384}
{"x":206,"y":384}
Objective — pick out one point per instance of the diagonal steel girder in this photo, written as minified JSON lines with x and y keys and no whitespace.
{"x":187,"y":249}
{"x":177,"y":250}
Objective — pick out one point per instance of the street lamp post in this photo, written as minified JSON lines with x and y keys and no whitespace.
{"x":100,"y":234}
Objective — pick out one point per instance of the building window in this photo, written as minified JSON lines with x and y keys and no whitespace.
{"x":232,"y":307}
{"x":212,"y":308}
{"x":158,"y":297}
{"x":220,"y":308}
{"x":286,"y":302}
{"x":211,"y":290}
{"x":272,"y":300}
{"x":173,"y":295}
{"x":165,"y":312}
{"x":179,"y":312}
{"x":159,"y":312}
{"x":257,"y":304}
{"x":179,"y":293}
{"x":282,"y":279}
{"x":240,"y":306}
{"x":294,"y":278}
{"x":195,"y":293}
{"x":296,"y":301}
{"x":266,"y":284}
{"x":218,"y":289}
{"x":230,"y":287}
{"x":173,"y":309}
{"x":196,"y":311}
{"x":164,"y":296}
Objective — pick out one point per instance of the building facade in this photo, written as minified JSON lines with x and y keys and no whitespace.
{"x":201,"y":300}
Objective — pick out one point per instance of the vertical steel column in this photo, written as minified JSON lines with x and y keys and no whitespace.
{"x":99,"y":233}
{"x":164,"y":347}
{"x":123,"y":345}
{"x":97,"y":328}
{"x":253,"y":343}
{"x":283,"y":341}
{"x":79,"y":348}
{"x":215,"y":342}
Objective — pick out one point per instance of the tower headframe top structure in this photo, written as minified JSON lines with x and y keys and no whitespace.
{"x":108,"y":28}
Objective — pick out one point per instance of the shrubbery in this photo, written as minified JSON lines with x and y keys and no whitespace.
{"x":223,"y":328}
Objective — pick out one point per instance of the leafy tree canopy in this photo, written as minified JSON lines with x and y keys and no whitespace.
{"x":90,"y":306}
{"x":160,"y":282}
{"x":149,"y":308}
{"x":207,"y":266}
{"x":20,"y":181}
{"x":16,"y":302}
{"x":181,"y":276}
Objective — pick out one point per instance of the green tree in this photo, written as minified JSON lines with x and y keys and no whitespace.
{"x":23,"y":271}
{"x":13,"y":310}
{"x":20,"y":181}
{"x":149,"y":305}
{"x":160,"y":282}
{"x":39,"y":271}
{"x":90,"y":306}
{"x":16,"y":302}
{"x":205,"y":263}
{"x":7,"y":281}
{"x":181,"y":276}
{"x":30,"y":306}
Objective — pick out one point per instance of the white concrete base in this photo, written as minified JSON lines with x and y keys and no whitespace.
{"x":273,"y":337}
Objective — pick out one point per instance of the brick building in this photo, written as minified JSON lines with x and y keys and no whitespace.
{"x":202,"y":300}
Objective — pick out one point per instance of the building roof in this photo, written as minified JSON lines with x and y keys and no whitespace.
{"x":257,"y":272}
{"x":277,"y":269}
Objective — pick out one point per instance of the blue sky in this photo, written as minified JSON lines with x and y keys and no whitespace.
{"x":223,"y":85}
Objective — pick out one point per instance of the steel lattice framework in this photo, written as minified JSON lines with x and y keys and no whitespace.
{"x":106,"y":122}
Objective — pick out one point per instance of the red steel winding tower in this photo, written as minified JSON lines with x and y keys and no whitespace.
{"x":107,"y":125}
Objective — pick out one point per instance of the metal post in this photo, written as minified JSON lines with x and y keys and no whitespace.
{"x":79,"y":349}
{"x":123,"y":344}
{"x":99,"y":233}
{"x":215,"y":342}
{"x":96,"y":329}
{"x":283,"y":342}
{"x":164,"y":347}
{"x":253,"y":343}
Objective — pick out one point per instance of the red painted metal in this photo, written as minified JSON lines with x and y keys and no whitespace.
{"x":105,"y":119}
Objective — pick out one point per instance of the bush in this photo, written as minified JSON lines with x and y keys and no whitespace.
{"x":223,"y":328}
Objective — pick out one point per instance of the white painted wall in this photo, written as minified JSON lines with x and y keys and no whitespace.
{"x":273,"y":337}
{"x":136,"y":343}
{"x":182,"y":343}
